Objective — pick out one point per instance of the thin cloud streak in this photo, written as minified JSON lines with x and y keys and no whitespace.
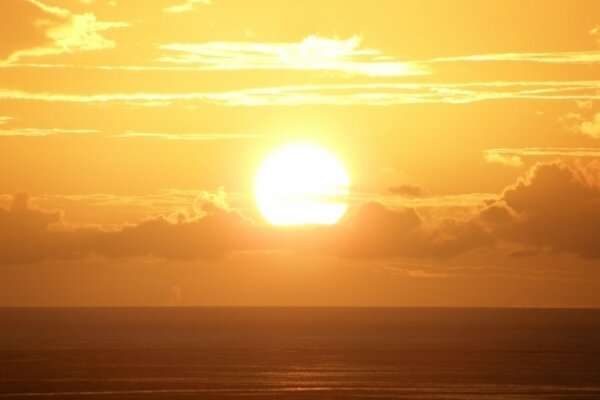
{"x":514,"y":156}
{"x":41,"y":132}
{"x":467,"y":200}
{"x":187,"y":6}
{"x":238,"y":56}
{"x":4,"y":119}
{"x":373,"y":94}
{"x":189,"y":136}
{"x":566,"y":57}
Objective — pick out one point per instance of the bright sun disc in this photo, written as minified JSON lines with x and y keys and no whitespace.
{"x":302,"y":184}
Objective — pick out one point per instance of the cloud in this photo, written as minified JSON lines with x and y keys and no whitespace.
{"x":40,"y":132}
{"x":32,"y":28}
{"x":372,"y":94}
{"x":497,"y":156}
{"x":408,"y":190}
{"x":189,"y":136}
{"x":420,"y":269}
{"x":447,"y":201}
{"x":555,"y":207}
{"x":386,"y":94}
{"x":213,"y":234}
{"x":318,"y":54}
{"x":591,"y":127}
{"x":380,"y":232}
{"x":314,"y":53}
{"x":29,"y":235}
{"x":578,"y":123}
{"x":562,"y":57}
{"x":514,"y":156}
{"x":187,"y":6}
{"x":24,"y":234}
{"x":595,"y":32}
{"x":4,"y":119}
{"x":113,"y":210}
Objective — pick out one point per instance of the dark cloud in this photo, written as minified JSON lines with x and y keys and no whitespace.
{"x":25,"y":236}
{"x":30,"y":235}
{"x":214,"y":234}
{"x":408,"y":190}
{"x":379,"y":232}
{"x":556,"y":207}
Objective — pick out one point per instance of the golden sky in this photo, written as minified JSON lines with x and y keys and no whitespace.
{"x":131,"y":132}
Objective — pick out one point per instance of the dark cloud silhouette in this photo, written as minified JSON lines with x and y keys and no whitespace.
{"x":556,"y":207}
{"x":215,"y":233}
{"x":379,"y":232}
{"x":408,"y":190}
{"x":29,"y":235}
{"x":25,"y":236}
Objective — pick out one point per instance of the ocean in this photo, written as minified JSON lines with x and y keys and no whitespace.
{"x":299,"y":353}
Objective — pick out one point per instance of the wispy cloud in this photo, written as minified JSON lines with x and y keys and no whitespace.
{"x":5,"y":119}
{"x":40,"y":132}
{"x":373,"y":94}
{"x":187,"y":6}
{"x":498,"y":156}
{"x":65,"y":32}
{"x":385,"y":94}
{"x":514,"y":156}
{"x":463,"y":200}
{"x":189,"y":136}
{"x":583,"y":123}
{"x":595,"y":32}
{"x":314,"y":53}
{"x":415,"y":269}
{"x":591,"y":127}
{"x":564,"y":57}
{"x":123,"y":208}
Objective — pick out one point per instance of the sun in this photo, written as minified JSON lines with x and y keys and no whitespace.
{"x":302,"y":184}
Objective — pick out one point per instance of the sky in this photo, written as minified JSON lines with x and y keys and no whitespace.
{"x":131,"y":133}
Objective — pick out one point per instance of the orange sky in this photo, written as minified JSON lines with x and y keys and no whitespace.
{"x":131,"y":132}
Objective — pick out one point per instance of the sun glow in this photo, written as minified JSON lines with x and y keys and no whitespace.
{"x":302,"y":184}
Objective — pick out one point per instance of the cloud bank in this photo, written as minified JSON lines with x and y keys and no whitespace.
{"x":521,"y":216}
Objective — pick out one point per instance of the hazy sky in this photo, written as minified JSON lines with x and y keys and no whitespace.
{"x":131,"y":132}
